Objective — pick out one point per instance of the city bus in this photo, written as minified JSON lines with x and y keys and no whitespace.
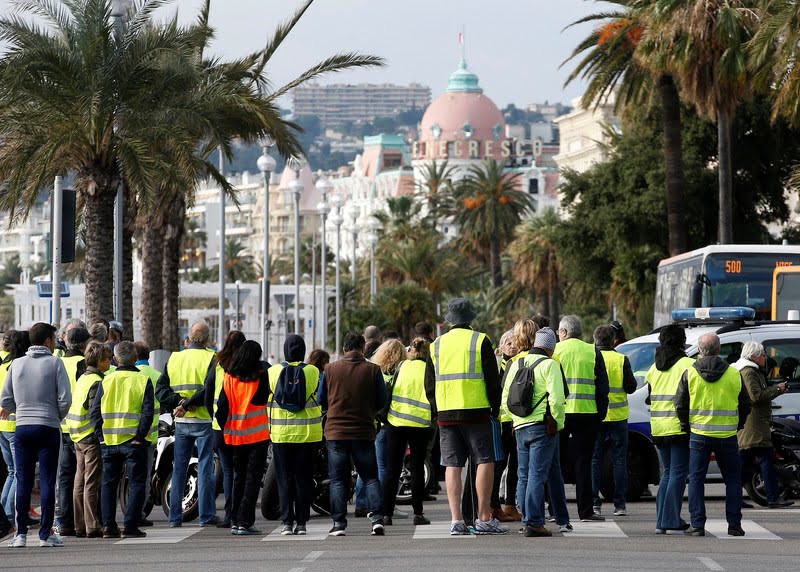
{"x":785,"y":292}
{"x":721,"y":275}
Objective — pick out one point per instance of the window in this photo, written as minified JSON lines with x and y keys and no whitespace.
{"x":731,"y":352}
{"x":533,"y":186}
{"x":783,"y":361}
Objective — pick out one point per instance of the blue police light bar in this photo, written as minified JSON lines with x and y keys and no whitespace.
{"x":732,"y":313}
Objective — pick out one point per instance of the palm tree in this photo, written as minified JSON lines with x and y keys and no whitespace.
{"x":490,"y":207}
{"x":194,"y":241}
{"x":536,"y":263}
{"x":400,"y":220}
{"x":239,"y":263}
{"x":611,"y":60}
{"x":435,"y":187}
{"x":706,"y":52}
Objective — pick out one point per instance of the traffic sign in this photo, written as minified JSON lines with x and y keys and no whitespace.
{"x":45,"y":289}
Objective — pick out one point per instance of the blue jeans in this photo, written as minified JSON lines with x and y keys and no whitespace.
{"x":116,"y":459}
{"x":225,"y":454}
{"x":186,"y":436}
{"x":763,"y":457}
{"x":726,"y":451}
{"x":382,"y":455}
{"x":675,"y":467}
{"x":555,"y":486}
{"x":617,"y":433}
{"x":32,"y":444}
{"x":534,"y":456}
{"x":10,"y":486}
{"x":362,"y":454}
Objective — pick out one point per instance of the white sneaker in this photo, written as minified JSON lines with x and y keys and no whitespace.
{"x":620,"y":512}
{"x":492,"y":526}
{"x":399,"y":513}
{"x":565,"y":527}
{"x":19,"y":541}
{"x":52,"y":541}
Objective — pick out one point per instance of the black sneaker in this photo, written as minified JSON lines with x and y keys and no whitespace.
{"x":144,"y":523}
{"x":695,"y":531}
{"x":361,"y":513}
{"x":224,"y":524}
{"x":419,"y":520}
{"x":134,"y":533}
{"x":736,"y":530}
{"x":338,"y":530}
{"x":387,"y":521}
{"x":214,"y":521}
{"x":781,"y":504}
{"x":62,"y":531}
{"x":377,"y":529}
{"x":594,"y":518}
{"x":111,"y":532}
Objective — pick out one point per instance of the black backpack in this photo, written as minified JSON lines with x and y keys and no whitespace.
{"x":290,"y":391}
{"x":520,"y":393}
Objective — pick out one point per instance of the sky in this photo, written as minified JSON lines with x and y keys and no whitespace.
{"x":515,"y":46}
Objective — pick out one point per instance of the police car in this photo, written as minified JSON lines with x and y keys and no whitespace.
{"x":734,"y":326}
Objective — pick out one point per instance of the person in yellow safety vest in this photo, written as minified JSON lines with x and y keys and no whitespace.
{"x":5,"y":343}
{"x":712,"y":404}
{"x":671,"y":442}
{"x":215,"y":379}
{"x":143,"y":365}
{"x":86,"y":493}
{"x":17,"y":344}
{"x":242,"y":413}
{"x":181,"y":390}
{"x":587,"y":405}
{"x":294,"y":436}
{"x":408,"y":425}
{"x":74,"y":363}
{"x":122,"y":414}
{"x":466,"y":393}
{"x":614,"y":429}
{"x":522,"y":337}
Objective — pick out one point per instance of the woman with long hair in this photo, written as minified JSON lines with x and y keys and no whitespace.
{"x":242,"y":415}
{"x":319,"y":359}
{"x":408,"y":423}
{"x":213,"y":385}
{"x":388,"y":356}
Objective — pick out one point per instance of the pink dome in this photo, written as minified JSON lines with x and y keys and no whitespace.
{"x":463,"y":113}
{"x":310,"y":196}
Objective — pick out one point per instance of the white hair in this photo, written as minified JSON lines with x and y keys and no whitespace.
{"x":571,"y":325}
{"x":751,"y":350}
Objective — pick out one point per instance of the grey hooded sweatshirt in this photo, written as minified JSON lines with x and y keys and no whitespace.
{"x":37,"y":389}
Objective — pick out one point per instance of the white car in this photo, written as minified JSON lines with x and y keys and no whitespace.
{"x":781,"y":340}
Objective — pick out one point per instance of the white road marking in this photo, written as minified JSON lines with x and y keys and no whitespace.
{"x":296,"y":569}
{"x":436,"y":530}
{"x":776,"y":511}
{"x":162,"y":536}
{"x":315,"y":531}
{"x":710,"y":564}
{"x":608,"y":529}
{"x":313,"y":556}
{"x":753,"y":531}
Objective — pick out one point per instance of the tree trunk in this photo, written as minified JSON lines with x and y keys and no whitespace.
{"x":673,"y":156}
{"x":555,"y":309}
{"x":98,"y":214}
{"x":173,"y":233}
{"x":725,"y":178}
{"x":495,"y":262}
{"x":152,"y":286}
{"x":128,"y":229}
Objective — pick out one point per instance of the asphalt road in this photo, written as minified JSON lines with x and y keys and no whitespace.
{"x":626,"y":543}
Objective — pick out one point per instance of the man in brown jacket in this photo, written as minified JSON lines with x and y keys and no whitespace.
{"x":755,"y":440}
{"x":352,"y":391}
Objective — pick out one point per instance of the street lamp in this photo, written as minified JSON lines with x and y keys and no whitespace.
{"x":336,"y":219}
{"x":372,"y":239}
{"x":266,"y":164}
{"x":324,"y":186}
{"x":354,"y":211}
{"x":297,"y":163}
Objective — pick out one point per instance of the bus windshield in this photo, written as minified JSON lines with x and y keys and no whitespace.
{"x":739,"y":279}
{"x":787,"y":294}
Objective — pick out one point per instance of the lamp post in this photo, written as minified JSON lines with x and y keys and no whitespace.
{"x":266,"y":164}
{"x":354,"y":211}
{"x":374,"y":226}
{"x":324,"y":186}
{"x":336,"y":220}
{"x":296,"y":186}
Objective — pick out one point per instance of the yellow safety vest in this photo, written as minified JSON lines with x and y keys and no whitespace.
{"x":410,"y":406}
{"x":663,"y":386}
{"x":153,"y":374}
{"x":304,"y":426}
{"x":187,"y":374}
{"x":78,"y":422}
{"x":577,"y":358}
{"x":511,"y":370}
{"x":546,"y":379}
{"x":6,"y":425}
{"x":121,"y":405}
{"x":617,"y":398}
{"x":71,"y":365}
{"x":459,"y":371}
{"x":219,"y":381}
{"x":714,"y":407}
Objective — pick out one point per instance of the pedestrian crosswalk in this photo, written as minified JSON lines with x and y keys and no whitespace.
{"x":752,"y":531}
{"x":163,"y":536}
{"x":314,"y":531}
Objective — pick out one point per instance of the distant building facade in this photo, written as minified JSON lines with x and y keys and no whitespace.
{"x":338,"y":104}
{"x":584,"y":135}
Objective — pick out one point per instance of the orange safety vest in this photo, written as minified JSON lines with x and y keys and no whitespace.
{"x":246,"y":423}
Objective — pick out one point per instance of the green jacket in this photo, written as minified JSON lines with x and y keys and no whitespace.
{"x":755,"y":432}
